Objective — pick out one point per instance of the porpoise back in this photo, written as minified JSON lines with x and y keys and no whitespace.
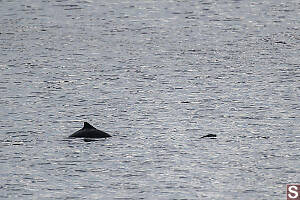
{"x":88,"y":131}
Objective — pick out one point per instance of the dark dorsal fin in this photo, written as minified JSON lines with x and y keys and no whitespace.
{"x":87,"y":126}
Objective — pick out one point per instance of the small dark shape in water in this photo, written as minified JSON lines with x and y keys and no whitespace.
{"x":213,"y":136}
{"x":280,"y":42}
{"x":88,"y":131}
{"x":264,"y":137}
{"x":185,"y":102}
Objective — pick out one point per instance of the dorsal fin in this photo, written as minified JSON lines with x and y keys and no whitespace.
{"x":87,"y":126}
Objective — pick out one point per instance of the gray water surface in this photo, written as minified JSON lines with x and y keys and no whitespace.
{"x":157,"y":76}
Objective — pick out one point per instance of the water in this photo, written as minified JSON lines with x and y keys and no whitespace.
{"x":157,"y":75}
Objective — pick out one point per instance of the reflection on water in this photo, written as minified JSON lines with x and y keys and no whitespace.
{"x":157,"y":76}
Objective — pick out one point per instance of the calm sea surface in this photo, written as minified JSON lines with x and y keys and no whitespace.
{"x":157,"y":76}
